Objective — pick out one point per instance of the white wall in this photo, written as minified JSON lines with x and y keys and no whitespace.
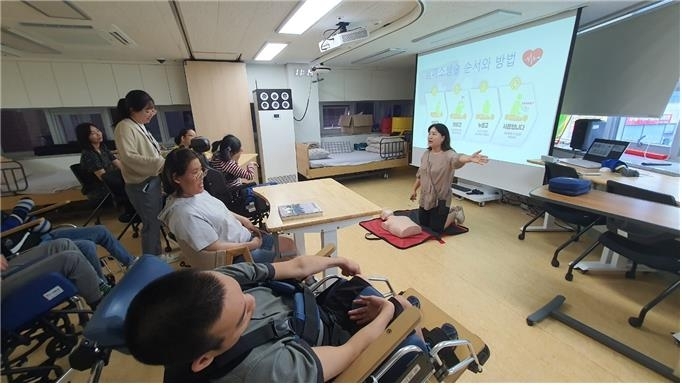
{"x":45,"y":84}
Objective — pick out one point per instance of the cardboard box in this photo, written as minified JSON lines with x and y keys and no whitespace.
{"x":356,"y":124}
{"x":401,"y":125}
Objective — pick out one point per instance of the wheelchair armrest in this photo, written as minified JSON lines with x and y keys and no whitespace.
{"x":106,"y":325}
{"x":380,"y":349}
{"x":327,"y":250}
{"x":51,"y":207}
{"x":207,"y":260}
{"x":22,"y":227}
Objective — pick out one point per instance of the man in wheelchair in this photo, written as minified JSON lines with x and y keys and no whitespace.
{"x":234,"y":324}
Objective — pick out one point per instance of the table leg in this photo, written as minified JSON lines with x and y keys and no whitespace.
{"x":547,"y":225}
{"x":610,"y":261}
{"x":325,"y":238}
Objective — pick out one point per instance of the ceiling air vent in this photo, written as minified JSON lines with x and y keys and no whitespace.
{"x":121,"y":37}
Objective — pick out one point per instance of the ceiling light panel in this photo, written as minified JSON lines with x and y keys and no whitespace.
{"x":307,"y":14}
{"x":269,"y":51}
{"x":24,"y":44}
{"x":58,"y":9}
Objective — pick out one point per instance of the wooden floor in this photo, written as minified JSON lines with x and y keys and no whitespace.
{"x":490,"y":282}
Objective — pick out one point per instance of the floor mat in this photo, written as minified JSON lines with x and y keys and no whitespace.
{"x":376,"y":232}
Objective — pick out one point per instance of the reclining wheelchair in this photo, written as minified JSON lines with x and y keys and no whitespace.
{"x":32,"y":318}
{"x":242,"y":199}
{"x":104,"y":333}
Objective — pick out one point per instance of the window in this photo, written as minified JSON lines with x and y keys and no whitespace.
{"x":331,"y":115}
{"x":22,"y":130}
{"x":25,"y":129}
{"x":648,"y":137}
{"x":330,"y":112}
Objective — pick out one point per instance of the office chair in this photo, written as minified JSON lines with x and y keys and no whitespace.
{"x":659,"y":250}
{"x":582,"y":220}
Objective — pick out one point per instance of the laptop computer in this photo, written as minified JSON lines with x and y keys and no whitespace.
{"x":599,"y":150}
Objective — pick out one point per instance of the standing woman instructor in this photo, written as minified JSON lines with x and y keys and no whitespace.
{"x":141,"y":161}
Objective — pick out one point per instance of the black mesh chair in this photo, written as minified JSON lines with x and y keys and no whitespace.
{"x":241,"y":199}
{"x":581,"y":220}
{"x":97,"y":198}
{"x":644,"y":244}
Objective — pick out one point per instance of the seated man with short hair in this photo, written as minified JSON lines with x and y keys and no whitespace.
{"x":190,"y":320}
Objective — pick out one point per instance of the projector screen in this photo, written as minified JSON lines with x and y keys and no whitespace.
{"x":498,"y":94}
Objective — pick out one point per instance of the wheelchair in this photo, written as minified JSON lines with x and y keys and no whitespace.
{"x":104,"y":333}
{"x":32,"y":318}
{"x":240,"y":200}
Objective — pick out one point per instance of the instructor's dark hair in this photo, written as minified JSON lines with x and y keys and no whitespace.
{"x":168,"y":322}
{"x":443,"y":130}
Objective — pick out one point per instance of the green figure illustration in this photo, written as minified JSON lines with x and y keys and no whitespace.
{"x":486,"y":107}
{"x":459,"y":110}
{"x":516,"y":106}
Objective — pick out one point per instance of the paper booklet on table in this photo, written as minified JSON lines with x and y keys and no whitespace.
{"x":299,"y":210}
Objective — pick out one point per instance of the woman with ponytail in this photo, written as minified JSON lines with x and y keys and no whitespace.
{"x":141,"y":161}
{"x":226,"y":160}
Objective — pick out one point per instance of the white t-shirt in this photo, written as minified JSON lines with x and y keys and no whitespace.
{"x":201,"y":220}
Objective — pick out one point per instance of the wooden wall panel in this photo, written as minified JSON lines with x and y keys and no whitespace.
{"x":219,"y":96}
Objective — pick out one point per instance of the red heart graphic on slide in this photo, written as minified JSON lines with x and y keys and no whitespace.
{"x":531,"y":57}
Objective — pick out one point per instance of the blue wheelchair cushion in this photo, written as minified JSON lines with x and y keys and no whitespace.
{"x":106,"y":325}
{"x":34,"y":299}
{"x":569,"y":186}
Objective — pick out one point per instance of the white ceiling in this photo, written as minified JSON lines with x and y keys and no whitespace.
{"x":236,"y":30}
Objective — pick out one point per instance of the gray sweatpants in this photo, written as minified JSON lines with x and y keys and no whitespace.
{"x":146,"y":199}
{"x":60,"y":256}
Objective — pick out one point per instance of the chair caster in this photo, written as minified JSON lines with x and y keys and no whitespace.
{"x":522,"y":236}
{"x":630,"y":274}
{"x":635,"y":322}
{"x":555,"y":263}
{"x":136,"y":235}
{"x":168,"y":249}
{"x":569,"y":276}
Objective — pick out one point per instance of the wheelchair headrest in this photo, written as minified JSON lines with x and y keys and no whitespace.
{"x":106,"y":325}
{"x":200,"y":144}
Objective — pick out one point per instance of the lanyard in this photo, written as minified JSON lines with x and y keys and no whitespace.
{"x":149,"y":136}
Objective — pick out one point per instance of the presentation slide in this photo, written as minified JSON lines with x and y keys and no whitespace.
{"x":499,"y":95}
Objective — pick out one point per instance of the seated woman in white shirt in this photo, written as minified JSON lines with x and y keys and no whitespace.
{"x":202,"y":221}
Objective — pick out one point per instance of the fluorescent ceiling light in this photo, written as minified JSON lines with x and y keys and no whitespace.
{"x":381,"y":55}
{"x":58,"y":9}
{"x":24,"y":44}
{"x":269,"y":51}
{"x":306,"y":15}
{"x":473,"y":27}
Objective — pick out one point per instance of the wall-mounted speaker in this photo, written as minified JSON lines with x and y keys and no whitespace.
{"x":273,"y":99}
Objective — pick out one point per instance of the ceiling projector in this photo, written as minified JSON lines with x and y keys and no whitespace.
{"x":342,"y":38}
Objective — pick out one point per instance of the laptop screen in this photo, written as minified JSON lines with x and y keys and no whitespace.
{"x":605,"y":149}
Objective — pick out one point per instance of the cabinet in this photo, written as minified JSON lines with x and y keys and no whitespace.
{"x":367,"y":84}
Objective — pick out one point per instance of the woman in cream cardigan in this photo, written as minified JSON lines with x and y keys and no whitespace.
{"x":141,"y":160}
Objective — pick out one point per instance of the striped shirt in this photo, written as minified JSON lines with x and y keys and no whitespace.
{"x":233,"y":172}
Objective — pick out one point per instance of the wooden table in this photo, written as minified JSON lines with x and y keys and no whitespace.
{"x":647,"y":180}
{"x":615,"y":206}
{"x":340,"y":206}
